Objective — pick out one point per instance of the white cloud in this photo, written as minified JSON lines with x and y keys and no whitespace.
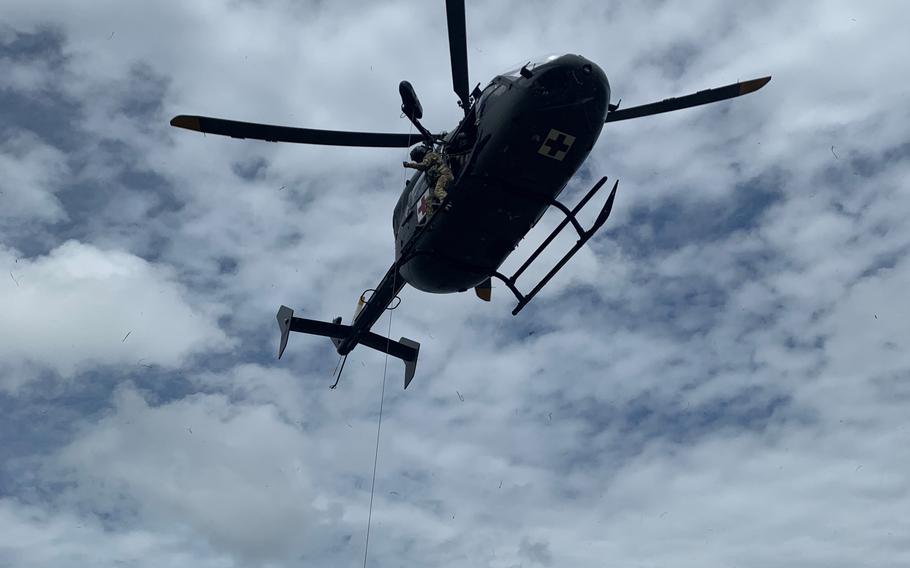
{"x":235,"y":475}
{"x":705,"y":385}
{"x":33,"y":536}
{"x":79,"y":307}
{"x":32,"y":172}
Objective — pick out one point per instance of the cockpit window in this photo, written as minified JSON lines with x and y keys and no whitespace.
{"x":493,"y":89}
{"x":531,"y":64}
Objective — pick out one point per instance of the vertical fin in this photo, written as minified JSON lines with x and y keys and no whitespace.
{"x":336,"y":341}
{"x":285,"y":315}
{"x":410,"y":366}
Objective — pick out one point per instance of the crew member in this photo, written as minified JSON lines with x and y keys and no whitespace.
{"x":438,"y":172}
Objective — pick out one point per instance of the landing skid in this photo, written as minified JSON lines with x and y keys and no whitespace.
{"x":583,"y":237}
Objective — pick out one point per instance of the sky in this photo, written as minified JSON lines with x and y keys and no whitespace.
{"x":719,"y":378}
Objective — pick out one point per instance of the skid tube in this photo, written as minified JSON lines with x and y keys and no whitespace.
{"x":583,"y":236}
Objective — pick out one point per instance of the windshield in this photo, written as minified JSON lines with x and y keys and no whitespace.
{"x":531,"y":63}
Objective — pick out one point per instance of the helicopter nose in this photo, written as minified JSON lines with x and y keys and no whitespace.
{"x":572,"y":78}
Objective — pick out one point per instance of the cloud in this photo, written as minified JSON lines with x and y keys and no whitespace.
{"x":40,"y":538}
{"x":33,"y":169}
{"x":206,"y":464}
{"x":717,"y":379}
{"x":536,"y":552}
{"x":80,"y":306}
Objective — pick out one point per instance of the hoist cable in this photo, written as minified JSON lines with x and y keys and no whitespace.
{"x":385,"y":367}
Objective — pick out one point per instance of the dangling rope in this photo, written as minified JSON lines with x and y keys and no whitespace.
{"x":385,"y":367}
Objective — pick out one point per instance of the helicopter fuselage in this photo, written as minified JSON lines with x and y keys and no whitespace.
{"x":528,"y":133}
{"x":520,"y":142}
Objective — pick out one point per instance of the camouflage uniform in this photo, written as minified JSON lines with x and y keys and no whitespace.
{"x":435,"y":166}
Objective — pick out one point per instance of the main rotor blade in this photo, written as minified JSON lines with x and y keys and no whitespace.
{"x":695,"y":99}
{"x":458,"y":49}
{"x":272,"y":133}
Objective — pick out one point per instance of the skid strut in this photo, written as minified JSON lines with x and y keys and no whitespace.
{"x":583,"y":236}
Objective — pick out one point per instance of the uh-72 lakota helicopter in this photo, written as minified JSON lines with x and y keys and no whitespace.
{"x":521,"y":140}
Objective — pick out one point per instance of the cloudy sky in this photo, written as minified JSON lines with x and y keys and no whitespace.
{"x":721,"y":378}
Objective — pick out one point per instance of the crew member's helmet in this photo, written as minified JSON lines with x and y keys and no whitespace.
{"x":419,"y":153}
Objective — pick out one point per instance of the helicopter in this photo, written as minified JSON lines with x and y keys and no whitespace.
{"x":519,"y":143}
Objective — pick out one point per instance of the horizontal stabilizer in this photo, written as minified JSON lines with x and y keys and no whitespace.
{"x":404,"y":349}
{"x":272,"y":133}
{"x":695,"y":99}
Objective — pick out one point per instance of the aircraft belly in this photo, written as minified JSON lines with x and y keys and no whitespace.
{"x":468,"y":242}
{"x":435,"y":274}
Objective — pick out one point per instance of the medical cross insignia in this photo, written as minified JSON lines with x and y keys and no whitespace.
{"x":556,"y":145}
{"x":422,"y":208}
